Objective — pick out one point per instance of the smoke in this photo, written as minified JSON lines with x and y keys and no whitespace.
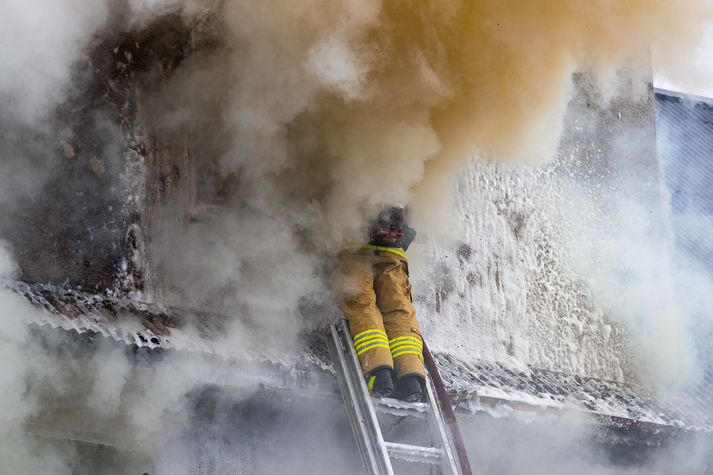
{"x":618,"y":231}
{"x":688,"y":73}
{"x":20,"y":453}
{"x":37,"y":56}
{"x":630,"y":268}
{"x":13,"y":333}
{"x":303,"y":119}
{"x":39,"y":51}
{"x":573,"y":442}
{"x":376,"y":102}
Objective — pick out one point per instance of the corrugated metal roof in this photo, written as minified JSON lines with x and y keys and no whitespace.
{"x":685,"y":145}
{"x":474,"y":384}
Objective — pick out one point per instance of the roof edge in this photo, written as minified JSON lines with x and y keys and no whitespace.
{"x":683,"y":95}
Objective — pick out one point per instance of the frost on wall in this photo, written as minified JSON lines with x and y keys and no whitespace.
{"x":513,"y":288}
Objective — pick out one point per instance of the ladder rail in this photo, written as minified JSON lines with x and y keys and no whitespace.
{"x":362,"y":416}
{"x":446,"y":455}
{"x":436,"y":421}
{"x":441,"y":402}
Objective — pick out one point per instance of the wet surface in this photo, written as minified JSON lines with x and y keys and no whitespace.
{"x":471,"y":383}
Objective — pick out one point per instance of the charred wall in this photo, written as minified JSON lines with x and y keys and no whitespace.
{"x":74,"y":217}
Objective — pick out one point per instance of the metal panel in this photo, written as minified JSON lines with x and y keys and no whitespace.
{"x":685,"y":146}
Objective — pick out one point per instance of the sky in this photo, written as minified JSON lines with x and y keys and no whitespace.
{"x":695,"y":77}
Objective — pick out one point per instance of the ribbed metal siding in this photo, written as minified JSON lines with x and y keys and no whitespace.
{"x":684,"y":127}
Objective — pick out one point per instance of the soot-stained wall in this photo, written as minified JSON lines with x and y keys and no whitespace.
{"x":75,"y":216}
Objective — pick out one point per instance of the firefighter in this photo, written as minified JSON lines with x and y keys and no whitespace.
{"x":380,"y":310}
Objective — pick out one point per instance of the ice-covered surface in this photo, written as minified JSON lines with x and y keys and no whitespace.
{"x":125,"y":321}
{"x":507,"y":284}
{"x":475,"y":385}
{"x":549,"y":389}
{"x":505,"y":292}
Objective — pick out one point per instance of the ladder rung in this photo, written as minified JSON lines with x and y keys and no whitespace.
{"x":400,"y":408}
{"x":414,"y":453}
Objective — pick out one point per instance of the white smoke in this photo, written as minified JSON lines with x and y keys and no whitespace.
{"x":690,"y":73}
{"x":20,"y":453}
{"x":320,"y":111}
{"x":40,"y":43}
{"x":328,"y":110}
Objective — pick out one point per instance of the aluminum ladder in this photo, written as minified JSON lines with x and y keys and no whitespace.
{"x":377,"y":453}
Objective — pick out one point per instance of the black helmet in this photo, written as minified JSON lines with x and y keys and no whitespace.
{"x":389,"y":229}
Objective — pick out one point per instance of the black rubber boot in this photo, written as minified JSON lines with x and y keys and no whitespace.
{"x":380,"y":382}
{"x":410,"y":388}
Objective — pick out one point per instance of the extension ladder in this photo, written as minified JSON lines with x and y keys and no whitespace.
{"x":442,"y":456}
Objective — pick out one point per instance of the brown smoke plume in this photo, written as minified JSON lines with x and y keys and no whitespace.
{"x":315,"y":112}
{"x":376,"y":101}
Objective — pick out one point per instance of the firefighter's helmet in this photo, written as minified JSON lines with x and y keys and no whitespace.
{"x":389,"y":229}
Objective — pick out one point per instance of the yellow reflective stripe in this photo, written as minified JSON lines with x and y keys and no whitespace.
{"x":406,"y":352}
{"x":371,"y":346}
{"x":396,"y":250}
{"x":367,"y":343}
{"x":407,"y":342}
{"x":369,"y":340}
{"x":370,"y":383}
{"x":372,"y":337}
{"x":406,"y":339}
{"x":368,"y":333}
{"x":402,"y":348}
{"x":405,"y":346}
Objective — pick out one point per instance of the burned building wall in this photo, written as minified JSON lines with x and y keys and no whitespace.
{"x":72,"y":228}
{"x":80,"y":189}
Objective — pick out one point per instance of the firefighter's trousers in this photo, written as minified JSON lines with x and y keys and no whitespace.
{"x":378,"y":305}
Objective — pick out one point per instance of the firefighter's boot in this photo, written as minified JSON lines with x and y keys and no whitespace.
{"x":380,"y":382}
{"x":410,"y":388}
